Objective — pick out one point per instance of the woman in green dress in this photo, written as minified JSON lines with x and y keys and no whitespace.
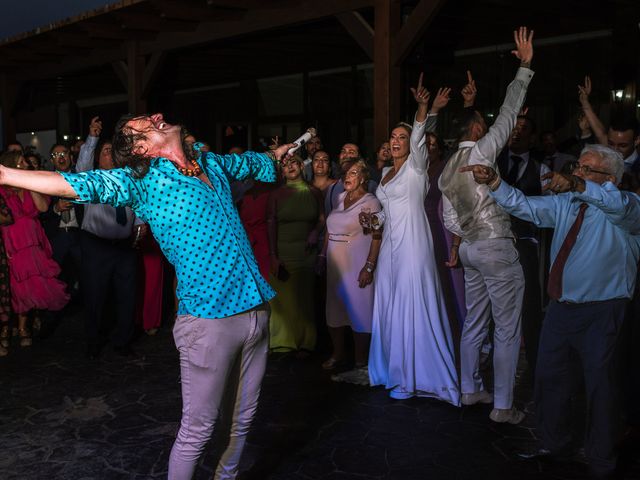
{"x":295,"y":219}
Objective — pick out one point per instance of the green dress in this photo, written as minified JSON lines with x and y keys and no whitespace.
{"x":292,"y":325}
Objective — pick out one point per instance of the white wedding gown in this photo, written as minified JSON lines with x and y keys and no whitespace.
{"x":411,"y":345}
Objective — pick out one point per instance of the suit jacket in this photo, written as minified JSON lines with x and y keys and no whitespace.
{"x":51,"y":220}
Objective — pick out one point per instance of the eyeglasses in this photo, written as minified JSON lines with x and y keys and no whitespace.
{"x":352,"y":173}
{"x":55,"y":155}
{"x":586,"y":169}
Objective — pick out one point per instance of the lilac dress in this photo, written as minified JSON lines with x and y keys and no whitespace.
{"x":452,"y":279}
{"x":347,"y":252}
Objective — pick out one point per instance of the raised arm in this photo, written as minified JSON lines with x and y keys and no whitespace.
{"x":594,"y":122}
{"x":487,"y":148}
{"x":49,"y":183}
{"x":259,"y":166}
{"x":418,"y":149}
{"x":85,"y":157}
{"x":469,"y":91}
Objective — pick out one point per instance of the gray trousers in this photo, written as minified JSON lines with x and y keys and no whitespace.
{"x":494,"y":287}
{"x":222,"y":361}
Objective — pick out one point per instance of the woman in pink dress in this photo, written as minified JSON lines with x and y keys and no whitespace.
{"x":351,"y":256}
{"x":32,"y":271}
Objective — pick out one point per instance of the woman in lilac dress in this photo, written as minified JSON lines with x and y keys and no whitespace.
{"x":351,"y":256}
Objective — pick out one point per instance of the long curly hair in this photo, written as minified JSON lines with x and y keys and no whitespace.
{"x":124,"y":141}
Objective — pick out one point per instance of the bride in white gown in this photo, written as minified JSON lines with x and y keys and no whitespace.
{"x":411,"y":346}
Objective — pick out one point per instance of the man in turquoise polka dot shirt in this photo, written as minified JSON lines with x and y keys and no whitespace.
{"x":221,"y":330}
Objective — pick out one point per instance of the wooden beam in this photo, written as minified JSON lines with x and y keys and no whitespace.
{"x":135,"y":72}
{"x":359,"y":29}
{"x":386,"y":74}
{"x":151,"y":71}
{"x":264,"y":16}
{"x":417,"y":23}
{"x":145,"y":21}
{"x":120,"y":69}
{"x":180,"y":10}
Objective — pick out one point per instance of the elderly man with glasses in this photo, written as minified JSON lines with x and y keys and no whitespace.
{"x":594,"y":252}
{"x":222,"y":326}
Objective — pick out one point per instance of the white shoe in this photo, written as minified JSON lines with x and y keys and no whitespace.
{"x":508,"y":415}
{"x":477,"y":397}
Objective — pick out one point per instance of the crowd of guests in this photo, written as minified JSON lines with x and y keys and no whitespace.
{"x":413,"y":263}
{"x":57,"y":255}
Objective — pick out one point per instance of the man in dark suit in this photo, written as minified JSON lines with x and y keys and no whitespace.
{"x":521,"y":167}
{"x":62,"y":222}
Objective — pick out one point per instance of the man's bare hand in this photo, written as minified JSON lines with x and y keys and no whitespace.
{"x":469,"y":91}
{"x":62,"y":205}
{"x":481,"y":173}
{"x":524,"y":45}
{"x":561,"y":182}
{"x":584,"y":91}
{"x":95,"y":127}
{"x":281,"y":153}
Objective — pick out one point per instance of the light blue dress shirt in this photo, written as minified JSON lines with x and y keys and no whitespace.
{"x":603,"y":262}
{"x":196,"y":226}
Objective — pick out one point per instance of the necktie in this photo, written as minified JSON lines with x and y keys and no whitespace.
{"x":121,"y":215}
{"x":551,"y":162}
{"x":512,"y":176}
{"x":554,"y":287}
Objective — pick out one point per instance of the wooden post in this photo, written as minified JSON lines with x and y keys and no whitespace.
{"x":386,"y":75}
{"x":135,"y":75}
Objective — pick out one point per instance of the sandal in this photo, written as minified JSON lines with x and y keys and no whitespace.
{"x":25,"y":337}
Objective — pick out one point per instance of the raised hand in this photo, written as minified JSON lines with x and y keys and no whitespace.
{"x":95,"y":127}
{"x":584,"y":91}
{"x":524,"y":45}
{"x":441,"y":100}
{"x":275,"y":143}
{"x":420,"y":94}
{"x":469,"y":91}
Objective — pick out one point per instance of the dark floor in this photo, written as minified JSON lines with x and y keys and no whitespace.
{"x":65,"y":417}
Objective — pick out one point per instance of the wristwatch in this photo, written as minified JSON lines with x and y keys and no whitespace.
{"x":369,"y":267}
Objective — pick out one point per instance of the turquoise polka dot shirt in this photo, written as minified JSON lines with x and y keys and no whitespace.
{"x":197,"y":227}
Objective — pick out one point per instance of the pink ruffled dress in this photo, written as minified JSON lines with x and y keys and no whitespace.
{"x":33,"y":272}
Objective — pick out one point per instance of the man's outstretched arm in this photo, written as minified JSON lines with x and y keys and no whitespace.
{"x":49,"y":183}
